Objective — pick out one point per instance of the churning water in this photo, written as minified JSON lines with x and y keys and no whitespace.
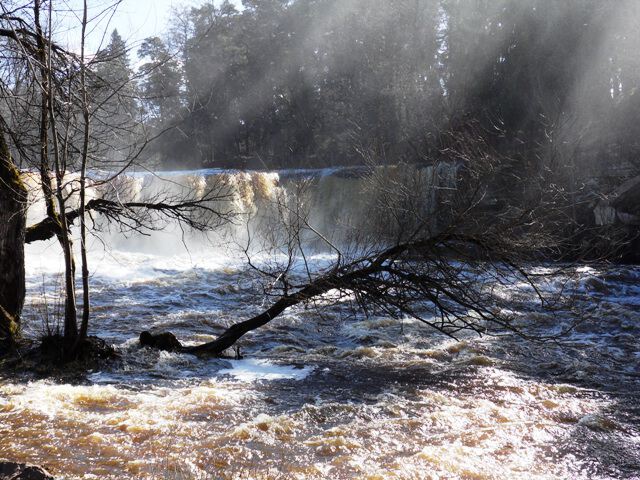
{"x":321,"y":394}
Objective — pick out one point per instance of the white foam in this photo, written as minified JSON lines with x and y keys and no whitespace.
{"x":251,"y":370}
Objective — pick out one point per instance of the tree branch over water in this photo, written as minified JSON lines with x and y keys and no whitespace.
{"x":411,"y":280}
{"x":464,"y":273}
{"x":193,"y":213}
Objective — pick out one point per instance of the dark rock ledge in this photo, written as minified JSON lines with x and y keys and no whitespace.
{"x":22,"y":471}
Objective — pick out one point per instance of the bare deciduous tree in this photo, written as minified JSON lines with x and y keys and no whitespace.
{"x":63,"y":119}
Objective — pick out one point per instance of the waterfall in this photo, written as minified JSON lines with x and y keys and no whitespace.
{"x":338,"y":202}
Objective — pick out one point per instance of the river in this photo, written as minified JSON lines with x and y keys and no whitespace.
{"x":320,"y":394}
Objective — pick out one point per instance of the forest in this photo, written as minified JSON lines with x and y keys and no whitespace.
{"x":320,"y":239}
{"x":284,"y":84}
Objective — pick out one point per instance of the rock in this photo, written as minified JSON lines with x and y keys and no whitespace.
{"x":598,"y":423}
{"x":23,"y":471}
{"x":597,"y":285}
{"x":166,"y":341}
{"x":92,"y":350}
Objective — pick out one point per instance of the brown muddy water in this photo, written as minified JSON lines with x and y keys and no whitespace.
{"x":325,"y":396}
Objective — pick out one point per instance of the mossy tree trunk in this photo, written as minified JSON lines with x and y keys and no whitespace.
{"x":13,"y":200}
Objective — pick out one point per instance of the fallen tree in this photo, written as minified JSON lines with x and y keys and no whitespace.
{"x":452,"y":275}
{"x":402,"y":281}
{"x":398,"y":281}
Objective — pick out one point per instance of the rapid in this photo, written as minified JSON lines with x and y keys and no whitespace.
{"x":318,"y":393}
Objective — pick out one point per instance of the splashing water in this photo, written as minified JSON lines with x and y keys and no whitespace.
{"x":318,"y":396}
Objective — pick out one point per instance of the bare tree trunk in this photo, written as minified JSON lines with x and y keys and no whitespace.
{"x":13,"y":197}
{"x":84,"y":327}
{"x":70,"y":311}
{"x":45,"y":173}
{"x":47,"y":120}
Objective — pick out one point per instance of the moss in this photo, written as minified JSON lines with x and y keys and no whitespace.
{"x":9,"y":173}
{"x":14,"y":329}
{"x":30,"y":230}
{"x":14,"y":179}
{"x":9,"y":328}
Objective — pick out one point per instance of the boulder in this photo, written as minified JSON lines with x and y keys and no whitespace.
{"x":22,"y":471}
{"x":166,"y":341}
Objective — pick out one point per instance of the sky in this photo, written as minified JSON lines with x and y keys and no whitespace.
{"x":135,"y":20}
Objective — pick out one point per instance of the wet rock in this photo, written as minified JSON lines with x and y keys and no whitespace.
{"x":598,"y":423}
{"x":594,"y":284}
{"x":90,"y":351}
{"x":166,"y":341}
{"x":22,"y":471}
{"x":53,"y":356}
{"x":480,"y":361}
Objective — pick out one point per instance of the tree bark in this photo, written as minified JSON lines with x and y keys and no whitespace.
{"x":235,"y":332}
{"x":13,"y":198}
{"x":86,"y":304}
